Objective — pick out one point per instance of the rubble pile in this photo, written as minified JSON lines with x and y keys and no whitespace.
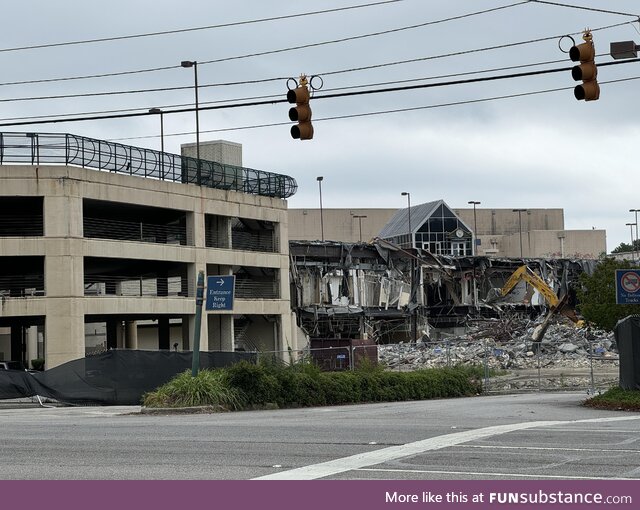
{"x":506,"y":345}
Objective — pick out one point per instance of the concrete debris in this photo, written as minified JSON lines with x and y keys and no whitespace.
{"x":506,"y":345}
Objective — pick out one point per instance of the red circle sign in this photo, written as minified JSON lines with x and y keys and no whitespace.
{"x":630,"y":282}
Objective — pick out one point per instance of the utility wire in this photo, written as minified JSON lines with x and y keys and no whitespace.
{"x":194,"y":29}
{"x":327,"y":73}
{"x":189,"y":87}
{"x":410,"y":80}
{"x":465,"y":52}
{"x":558,"y":4}
{"x":324,"y":96}
{"x":281,"y":50}
{"x":363,"y":36}
{"x":379,"y":112}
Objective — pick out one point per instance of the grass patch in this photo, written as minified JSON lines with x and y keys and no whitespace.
{"x":616,"y":399}
{"x":246,"y":385}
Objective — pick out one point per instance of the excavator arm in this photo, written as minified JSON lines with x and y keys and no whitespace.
{"x":526,"y":274}
{"x":556,"y":305}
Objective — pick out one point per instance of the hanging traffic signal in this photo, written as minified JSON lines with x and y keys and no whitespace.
{"x":301,"y":113}
{"x":587,"y":70}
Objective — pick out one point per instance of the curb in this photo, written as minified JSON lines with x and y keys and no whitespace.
{"x":183,"y":410}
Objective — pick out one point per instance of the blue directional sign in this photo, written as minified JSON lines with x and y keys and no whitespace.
{"x":220,"y":290}
{"x":627,"y":286}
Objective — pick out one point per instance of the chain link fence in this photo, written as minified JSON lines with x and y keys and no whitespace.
{"x":588,"y":362}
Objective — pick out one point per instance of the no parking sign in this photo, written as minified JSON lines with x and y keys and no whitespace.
{"x":627,"y":286}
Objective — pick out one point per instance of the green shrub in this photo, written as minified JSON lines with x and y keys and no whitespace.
{"x":256,"y":381}
{"x":303,"y":384}
{"x":37,"y":364}
{"x":208,"y":388}
{"x":616,"y":398}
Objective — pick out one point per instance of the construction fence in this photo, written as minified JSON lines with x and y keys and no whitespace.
{"x":557,"y":364}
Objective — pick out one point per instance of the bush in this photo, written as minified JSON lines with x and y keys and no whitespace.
{"x":256,"y":381}
{"x":247,"y":385}
{"x":37,"y":364}
{"x":616,"y":398}
{"x":208,"y":388}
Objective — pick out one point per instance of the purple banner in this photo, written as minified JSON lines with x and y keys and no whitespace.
{"x":321,"y":495}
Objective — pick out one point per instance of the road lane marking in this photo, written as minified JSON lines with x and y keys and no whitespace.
{"x":362,"y":460}
{"x":552,"y":448}
{"x":510,"y":476}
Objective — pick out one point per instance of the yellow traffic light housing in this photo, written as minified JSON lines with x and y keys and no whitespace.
{"x":587,"y":70}
{"x":301,"y":113}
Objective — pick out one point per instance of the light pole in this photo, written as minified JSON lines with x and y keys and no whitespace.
{"x":408,"y":195}
{"x":633,"y":253}
{"x":414,"y":318}
{"x":475,"y":226}
{"x":161,"y":113}
{"x":319,"y":179}
{"x":194,"y":64}
{"x":359,"y":218}
{"x":633,"y":248}
{"x":520,"y":211}
{"x":473,"y":251}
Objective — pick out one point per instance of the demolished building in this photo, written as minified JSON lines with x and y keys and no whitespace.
{"x":386,"y":294}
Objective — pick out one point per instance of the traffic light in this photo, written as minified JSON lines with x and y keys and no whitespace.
{"x":587,"y":70}
{"x":301,"y":113}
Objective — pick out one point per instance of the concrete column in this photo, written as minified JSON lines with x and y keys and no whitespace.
{"x":64,"y":332}
{"x":195,"y":222}
{"x":284,"y":331}
{"x":131,"y":335}
{"x":32,"y":344}
{"x":63,"y":214}
{"x":64,"y":277}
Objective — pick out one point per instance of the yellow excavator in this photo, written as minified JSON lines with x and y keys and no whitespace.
{"x":556,"y":305}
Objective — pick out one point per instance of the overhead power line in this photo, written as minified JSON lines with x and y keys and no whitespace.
{"x":349,"y":87}
{"x":464,"y":52}
{"x":195,"y":29}
{"x":363,"y":36}
{"x":317,"y":97}
{"x":269,"y":52}
{"x":593,"y":9}
{"x":379,"y":112}
{"x":326,"y":73}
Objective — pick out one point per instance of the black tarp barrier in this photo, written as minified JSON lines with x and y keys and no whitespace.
{"x":627,"y":332}
{"x":115,"y":377}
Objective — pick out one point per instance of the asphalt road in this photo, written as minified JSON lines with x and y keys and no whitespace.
{"x":527,"y":436}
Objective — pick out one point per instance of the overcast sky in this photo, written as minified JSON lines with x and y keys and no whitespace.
{"x":531,"y":151}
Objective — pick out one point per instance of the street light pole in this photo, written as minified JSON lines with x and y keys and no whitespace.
{"x":633,"y":253}
{"x":319,"y":179}
{"x":194,"y":64}
{"x":161,"y":113}
{"x":520,"y":211}
{"x":360,"y":223}
{"x":633,"y":247}
{"x":473,"y":251}
{"x":475,"y":226}
{"x":408,"y":195}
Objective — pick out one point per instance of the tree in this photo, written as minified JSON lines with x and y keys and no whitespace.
{"x":597,"y":295}
{"x":626,"y":247}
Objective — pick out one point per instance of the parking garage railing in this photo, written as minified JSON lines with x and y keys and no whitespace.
{"x":68,"y":149}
